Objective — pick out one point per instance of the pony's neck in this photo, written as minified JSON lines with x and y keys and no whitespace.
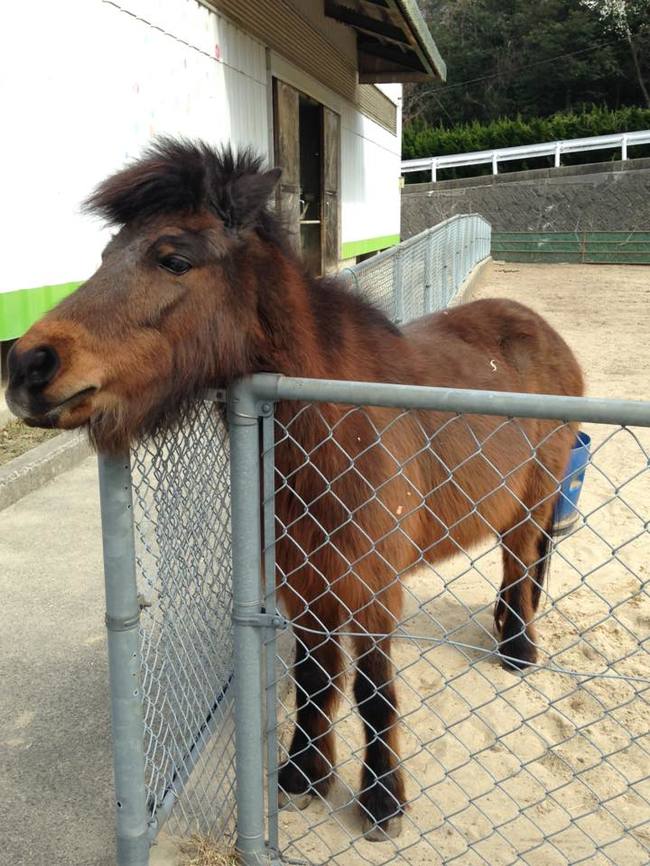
{"x":316,"y":328}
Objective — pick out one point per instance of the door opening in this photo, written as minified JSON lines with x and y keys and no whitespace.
{"x":306,"y":138}
{"x":310,"y":135}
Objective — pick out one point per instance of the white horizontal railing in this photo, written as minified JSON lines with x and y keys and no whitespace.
{"x":621,"y":140}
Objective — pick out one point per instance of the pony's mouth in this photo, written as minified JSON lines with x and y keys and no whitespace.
{"x":52,"y":415}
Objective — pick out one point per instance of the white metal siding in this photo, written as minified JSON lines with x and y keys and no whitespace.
{"x":370,"y":178}
{"x":88,"y":83}
{"x":322,"y":48}
{"x":87,"y":86}
{"x":345,"y":38}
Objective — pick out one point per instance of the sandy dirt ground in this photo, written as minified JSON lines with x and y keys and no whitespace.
{"x":16,"y":439}
{"x":549,"y":767}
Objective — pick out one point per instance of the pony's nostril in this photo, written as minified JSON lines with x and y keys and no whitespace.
{"x":41,"y":365}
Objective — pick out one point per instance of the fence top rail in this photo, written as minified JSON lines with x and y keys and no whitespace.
{"x":546,"y":148}
{"x":440,"y":227}
{"x":271,"y":387}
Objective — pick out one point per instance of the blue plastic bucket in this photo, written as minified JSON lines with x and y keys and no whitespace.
{"x":566,"y":513}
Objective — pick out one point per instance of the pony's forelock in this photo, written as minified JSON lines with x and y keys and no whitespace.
{"x":177,"y":175}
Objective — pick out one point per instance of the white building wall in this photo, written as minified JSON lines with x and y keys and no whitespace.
{"x":88,"y":85}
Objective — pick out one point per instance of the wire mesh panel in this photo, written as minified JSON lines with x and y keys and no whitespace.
{"x":422,"y":722}
{"x":181,"y":485}
{"x":423,"y":274}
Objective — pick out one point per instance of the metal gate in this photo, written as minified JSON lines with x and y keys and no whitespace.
{"x":549,"y":766}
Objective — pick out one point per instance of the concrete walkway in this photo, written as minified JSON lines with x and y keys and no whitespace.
{"x":56,"y":779}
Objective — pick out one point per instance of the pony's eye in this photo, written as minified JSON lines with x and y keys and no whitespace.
{"x":175,"y":264}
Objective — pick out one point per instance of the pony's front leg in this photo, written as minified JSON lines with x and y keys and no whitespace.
{"x":309,"y":765}
{"x":382,"y":795}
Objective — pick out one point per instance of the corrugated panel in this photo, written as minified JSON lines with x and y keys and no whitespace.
{"x":345,"y":38}
{"x":276,"y":24}
{"x":377,"y":106}
{"x":587,"y":247}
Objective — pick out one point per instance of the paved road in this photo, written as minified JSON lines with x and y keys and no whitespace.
{"x":55,"y":777}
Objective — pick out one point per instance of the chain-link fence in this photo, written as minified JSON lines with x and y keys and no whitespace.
{"x":402,"y":733}
{"x":398,"y":658}
{"x":167,"y":551}
{"x":424,"y":273}
{"x":181,"y":486}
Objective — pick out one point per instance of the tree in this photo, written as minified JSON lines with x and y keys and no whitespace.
{"x":519,"y":57}
{"x":630,"y":19}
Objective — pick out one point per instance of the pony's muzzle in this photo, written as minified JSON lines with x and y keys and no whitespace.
{"x":32,"y":369}
{"x":30,"y":372}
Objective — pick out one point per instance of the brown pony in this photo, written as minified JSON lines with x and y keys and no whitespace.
{"x":199,"y":287}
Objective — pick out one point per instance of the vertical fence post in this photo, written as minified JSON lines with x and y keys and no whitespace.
{"x":443,"y":300}
{"x":398,"y":285}
{"x":268,"y":528}
{"x":428,"y":262}
{"x":122,"y":621}
{"x":454,"y":259}
{"x":462,"y":224}
{"x":247,"y":604}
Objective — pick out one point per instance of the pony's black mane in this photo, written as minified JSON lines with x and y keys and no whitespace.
{"x":177,"y":175}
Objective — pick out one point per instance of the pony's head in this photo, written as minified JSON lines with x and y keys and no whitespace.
{"x":172,"y":309}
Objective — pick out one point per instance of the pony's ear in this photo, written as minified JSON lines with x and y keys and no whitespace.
{"x":249,"y":194}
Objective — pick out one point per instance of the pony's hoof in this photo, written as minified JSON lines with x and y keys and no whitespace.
{"x":518,"y":658}
{"x":389,"y":829}
{"x":294,"y":801}
{"x":517,"y":648}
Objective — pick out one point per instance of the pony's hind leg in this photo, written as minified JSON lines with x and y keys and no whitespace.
{"x":382,"y":796}
{"x":526,"y":553}
{"x":308,"y":768}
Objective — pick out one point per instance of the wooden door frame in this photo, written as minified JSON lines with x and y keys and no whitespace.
{"x":326,"y":194}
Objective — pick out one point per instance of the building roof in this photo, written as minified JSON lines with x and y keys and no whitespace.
{"x":393,"y":40}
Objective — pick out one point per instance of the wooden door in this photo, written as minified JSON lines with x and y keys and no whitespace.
{"x":330,"y":190}
{"x":287,"y":155}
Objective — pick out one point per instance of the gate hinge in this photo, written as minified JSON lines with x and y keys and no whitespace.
{"x":262,"y":619}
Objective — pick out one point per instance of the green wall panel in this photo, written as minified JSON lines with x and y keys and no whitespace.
{"x":351,"y":249}
{"x":587,"y":247}
{"x":20,"y":309}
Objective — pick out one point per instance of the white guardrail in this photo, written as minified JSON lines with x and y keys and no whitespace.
{"x":621,"y":140}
